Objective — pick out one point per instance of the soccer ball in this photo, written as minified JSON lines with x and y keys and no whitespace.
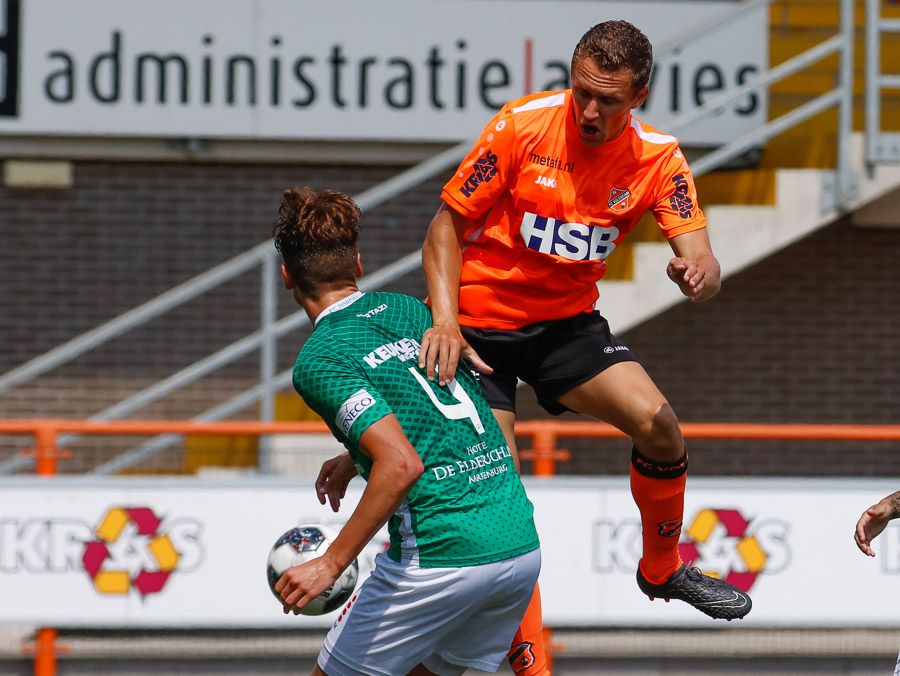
{"x":299,"y":545}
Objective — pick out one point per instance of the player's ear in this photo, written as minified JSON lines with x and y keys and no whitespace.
{"x":359,"y":267}
{"x":286,"y":277}
{"x":640,"y":96}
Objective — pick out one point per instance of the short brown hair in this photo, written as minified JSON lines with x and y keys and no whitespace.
{"x":617,"y":44}
{"x":316,"y":234}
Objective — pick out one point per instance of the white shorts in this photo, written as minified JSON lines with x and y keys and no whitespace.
{"x":449,"y":619}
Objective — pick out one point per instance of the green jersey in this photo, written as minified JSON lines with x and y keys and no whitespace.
{"x":361,"y":364}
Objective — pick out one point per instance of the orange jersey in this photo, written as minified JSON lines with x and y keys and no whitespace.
{"x":549,"y":209}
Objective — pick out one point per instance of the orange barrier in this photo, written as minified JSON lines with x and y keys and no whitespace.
{"x":543,"y":453}
{"x":543,"y":433}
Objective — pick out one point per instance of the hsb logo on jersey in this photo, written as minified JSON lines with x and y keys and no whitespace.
{"x":575,"y":241}
{"x":680,"y":200}
{"x":483,"y":170}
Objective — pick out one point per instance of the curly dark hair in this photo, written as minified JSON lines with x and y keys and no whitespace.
{"x":617,"y":44}
{"x":316,"y":234}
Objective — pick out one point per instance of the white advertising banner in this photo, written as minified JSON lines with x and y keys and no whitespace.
{"x":432,"y":70}
{"x":170,"y":552}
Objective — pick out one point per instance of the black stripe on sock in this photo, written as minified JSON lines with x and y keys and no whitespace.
{"x":656,"y":469}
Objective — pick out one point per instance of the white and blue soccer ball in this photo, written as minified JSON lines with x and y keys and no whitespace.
{"x":299,"y":545}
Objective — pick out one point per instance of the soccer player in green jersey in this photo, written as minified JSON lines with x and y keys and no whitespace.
{"x":464,"y":557}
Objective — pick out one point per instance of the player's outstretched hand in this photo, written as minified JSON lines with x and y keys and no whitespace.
{"x":688,"y":275}
{"x":301,"y":584}
{"x":870,"y":525}
{"x":441,"y":347}
{"x":333,"y":479}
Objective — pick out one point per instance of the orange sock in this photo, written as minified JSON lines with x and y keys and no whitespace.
{"x":658,"y":490}
{"x":528,"y":656}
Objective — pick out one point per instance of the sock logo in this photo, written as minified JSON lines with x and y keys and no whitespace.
{"x":670,"y":528}
{"x":522,"y":657}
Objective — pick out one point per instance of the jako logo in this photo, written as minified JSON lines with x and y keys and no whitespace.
{"x":483,"y":170}
{"x":133,"y":551}
{"x":722,"y":542}
{"x":374,"y":311}
{"x":350,"y":410}
{"x":575,"y":241}
{"x":546,"y":182}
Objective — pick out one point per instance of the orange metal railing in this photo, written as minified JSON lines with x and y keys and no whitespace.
{"x":543,"y":453}
{"x":543,"y":434}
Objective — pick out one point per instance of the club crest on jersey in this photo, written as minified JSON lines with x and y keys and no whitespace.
{"x":522,"y":657}
{"x":483,"y":170}
{"x":619,"y":199}
{"x":575,"y":241}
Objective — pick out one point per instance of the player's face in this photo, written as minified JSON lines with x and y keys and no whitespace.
{"x":603,"y":99}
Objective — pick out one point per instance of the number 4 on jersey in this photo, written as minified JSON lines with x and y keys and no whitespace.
{"x":464,"y":409}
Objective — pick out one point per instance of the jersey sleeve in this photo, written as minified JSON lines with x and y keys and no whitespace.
{"x":485,"y":172}
{"x":676,"y":209}
{"x":347,"y":401}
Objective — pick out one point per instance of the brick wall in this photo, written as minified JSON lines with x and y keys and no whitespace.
{"x":808,"y":335}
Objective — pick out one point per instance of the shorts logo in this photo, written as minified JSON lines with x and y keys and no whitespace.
{"x":350,"y":410}
{"x":575,"y":241}
{"x":522,"y":657}
{"x":484,"y":169}
{"x":609,"y":349}
{"x":619,"y":199}
{"x":680,"y":201}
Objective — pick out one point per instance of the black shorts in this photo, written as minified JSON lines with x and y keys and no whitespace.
{"x":553,"y":357}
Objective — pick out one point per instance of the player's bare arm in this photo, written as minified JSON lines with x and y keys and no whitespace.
{"x":334,"y":476}
{"x":694,"y":268}
{"x":443,"y":344}
{"x":874,"y":520}
{"x":395,"y":468}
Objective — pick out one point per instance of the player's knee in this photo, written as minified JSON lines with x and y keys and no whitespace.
{"x":658,"y":435}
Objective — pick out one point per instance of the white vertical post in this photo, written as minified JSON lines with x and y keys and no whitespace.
{"x":268,"y":354}
{"x":873,"y":75}
{"x":845,"y":108}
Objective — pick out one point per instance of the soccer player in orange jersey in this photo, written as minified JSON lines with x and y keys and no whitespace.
{"x":512,"y":258}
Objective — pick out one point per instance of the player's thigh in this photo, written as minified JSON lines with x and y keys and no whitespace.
{"x":625,"y":396}
{"x":507,"y":422}
{"x":483,"y":639}
{"x":398,"y":618}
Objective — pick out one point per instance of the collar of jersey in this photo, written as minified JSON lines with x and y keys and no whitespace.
{"x":340,"y":305}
